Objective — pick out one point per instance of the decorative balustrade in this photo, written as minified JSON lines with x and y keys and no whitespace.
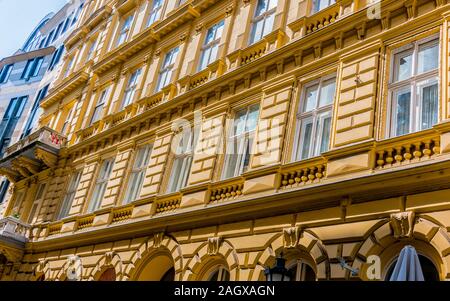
{"x":54,"y":229}
{"x":167,"y":205}
{"x":227,"y":190}
{"x":121,"y":214}
{"x":85,"y":222}
{"x":399,"y":152}
{"x":295,"y":175}
{"x":322,"y":18}
{"x":212,"y":71}
{"x":11,"y":227}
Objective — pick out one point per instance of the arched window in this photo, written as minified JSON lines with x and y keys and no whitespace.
{"x":219,"y":273}
{"x":169,"y":275}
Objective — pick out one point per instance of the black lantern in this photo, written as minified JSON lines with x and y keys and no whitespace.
{"x":279,"y":271}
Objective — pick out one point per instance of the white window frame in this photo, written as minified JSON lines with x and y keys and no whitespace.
{"x":414,"y":84}
{"x":155,"y":12}
{"x":167,"y":66}
{"x":101,"y":184}
{"x":261,"y":18}
{"x":92,"y":49}
{"x":130,"y":90}
{"x":98,"y":109}
{"x":37,"y":203}
{"x":315,"y":116}
{"x":184,"y":155}
{"x":223,"y":273}
{"x":137,"y":174}
{"x":70,"y":195}
{"x":214,"y":44}
{"x":125,"y":29}
{"x":245,"y":141}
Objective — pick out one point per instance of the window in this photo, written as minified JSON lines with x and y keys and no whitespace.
{"x":66,"y":24}
{"x":240,"y":144}
{"x":165,"y":75}
{"x":218,"y":273}
{"x":77,"y":14}
{"x":211,"y":46}
{"x":180,"y":2}
{"x":414,"y":88}
{"x":69,"y":66}
{"x":10,"y":120}
{"x":100,"y":185}
{"x":182,"y":160}
{"x":56,"y":57}
{"x":67,"y":120}
{"x":318,"y":5}
{"x":58,"y":31}
{"x":99,"y":106}
{"x":35,"y":112}
{"x":124,"y":31}
{"x":3,"y":189}
{"x":5,"y":73}
{"x":301,"y":271}
{"x":70,"y":195}
{"x":37,"y":202}
{"x":155,"y":12}
{"x":91,"y":50}
{"x":263,"y":20}
{"x":32,"y":68}
{"x":49,"y":38}
{"x":137,"y":174}
{"x":314,"y":118}
{"x":130,"y":90}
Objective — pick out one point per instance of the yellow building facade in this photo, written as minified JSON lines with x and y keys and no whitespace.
{"x":200,"y":139}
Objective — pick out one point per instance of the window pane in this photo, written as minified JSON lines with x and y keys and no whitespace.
{"x":305,"y":139}
{"x":325,"y":141}
{"x":311,"y":98}
{"x":252,"y":119}
{"x":268,"y":25}
{"x":239,"y":122}
{"x":403,"y":67}
{"x":327,"y":92}
{"x":257,"y":31}
{"x":428,"y":58}
{"x":403,"y":111}
{"x":261,"y":7}
{"x":247,"y":154}
{"x":429,"y":106}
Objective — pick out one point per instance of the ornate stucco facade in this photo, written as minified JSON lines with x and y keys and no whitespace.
{"x":362,"y":178}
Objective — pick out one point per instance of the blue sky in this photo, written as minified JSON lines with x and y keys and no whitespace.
{"x":19,"y":17}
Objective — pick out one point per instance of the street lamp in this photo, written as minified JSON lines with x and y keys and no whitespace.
{"x":279,"y":271}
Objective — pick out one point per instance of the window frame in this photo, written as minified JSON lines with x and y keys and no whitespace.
{"x":154,"y":11}
{"x":313,"y":6}
{"x":261,"y":18}
{"x":411,"y":84}
{"x":185,"y":157}
{"x":101,"y":185}
{"x":209,"y":46}
{"x":130,"y":195}
{"x":131,"y":88}
{"x":313,"y":116}
{"x":167,"y":69}
{"x":69,"y":196}
{"x":5,"y":73}
{"x":100,"y":103}
{"x":124,"y":32}
{"x":244,"y":140}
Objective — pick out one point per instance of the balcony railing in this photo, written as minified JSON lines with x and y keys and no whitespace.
{"x":44,"y":135}
{"x":11,"y":227}
{"x":303,"y":173}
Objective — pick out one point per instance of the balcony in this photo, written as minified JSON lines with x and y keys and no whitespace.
{"x":13,"y":237}
{"x":32,"y":154}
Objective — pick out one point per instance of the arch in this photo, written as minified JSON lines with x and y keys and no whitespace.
{"x":110,"y":260}
{"x":309,"y":248}
{"x":155,"y":266}
{"x":109,"y":274}
{"x":160,"y":244}
{"x":429,"y":238}
{"x":206,"y":256}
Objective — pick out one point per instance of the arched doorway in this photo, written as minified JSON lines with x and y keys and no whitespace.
{"x":108,"y":275}
{"x":158,"y":267}
{"x":429,"y":270}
